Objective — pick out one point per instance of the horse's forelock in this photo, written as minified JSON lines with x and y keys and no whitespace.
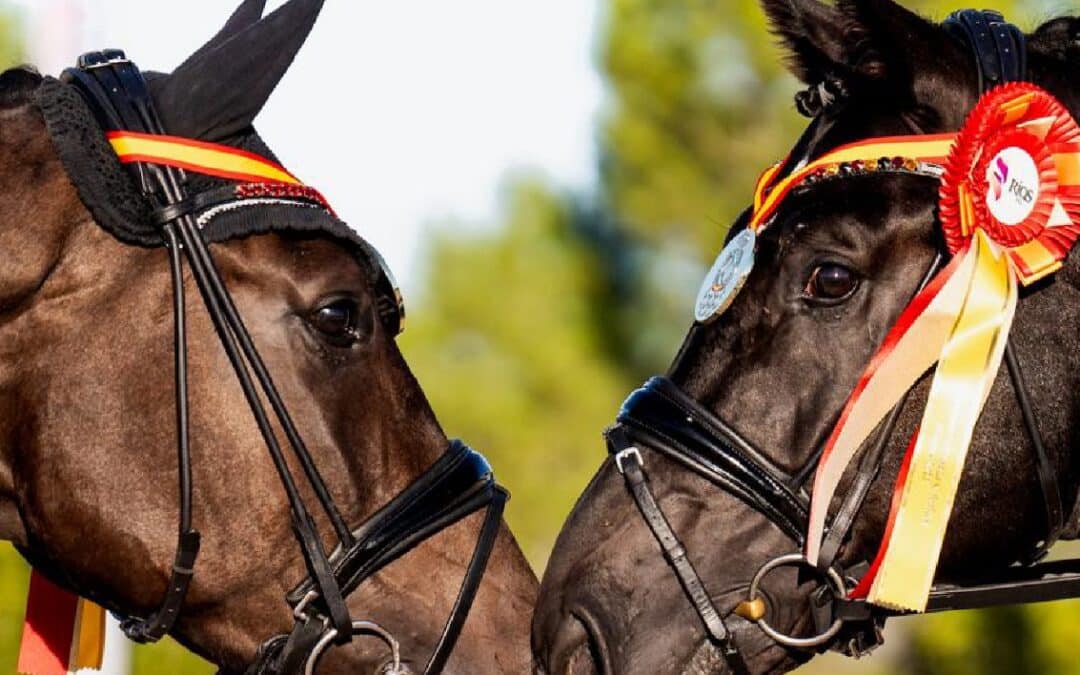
{"x":17,"y":86}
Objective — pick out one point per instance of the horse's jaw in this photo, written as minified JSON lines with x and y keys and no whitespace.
{"x":11,"y":525}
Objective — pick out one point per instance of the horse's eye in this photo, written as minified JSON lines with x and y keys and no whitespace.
{"x":337,"y":321}
{"x":830,"y":281}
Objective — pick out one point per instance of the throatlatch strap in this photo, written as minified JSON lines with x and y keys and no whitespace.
{"x":1055,"y":511}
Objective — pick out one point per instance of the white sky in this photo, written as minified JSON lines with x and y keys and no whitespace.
{"x":405,"y":113}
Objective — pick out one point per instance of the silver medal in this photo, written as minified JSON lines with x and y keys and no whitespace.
{"x":727,"y":276}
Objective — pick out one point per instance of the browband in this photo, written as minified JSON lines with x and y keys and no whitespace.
{"x":208,"y":159}
{"x":921,"y":155}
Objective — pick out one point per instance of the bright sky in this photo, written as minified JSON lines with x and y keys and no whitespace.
{"x":406,"y":113}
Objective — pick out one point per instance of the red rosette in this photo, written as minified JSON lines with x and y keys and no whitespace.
{"x":995,"y":126}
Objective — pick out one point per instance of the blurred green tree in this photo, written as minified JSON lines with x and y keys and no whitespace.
{"x":14,"y":580}
{"x":507,"y":346}
{"x":12,"y":47}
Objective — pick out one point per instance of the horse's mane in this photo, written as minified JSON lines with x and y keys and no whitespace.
{"x":17,"y":86}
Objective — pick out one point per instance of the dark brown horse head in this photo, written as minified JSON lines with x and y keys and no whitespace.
{"x":833,"y":272}
{"x":88,"y":466}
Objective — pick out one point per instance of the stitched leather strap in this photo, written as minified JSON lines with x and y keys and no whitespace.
{"x":1055,"y":510}
{"x":674,"y":552}
{"x":669,"y":421}
{"x":999,"y":47}
{"x":116,"y":90}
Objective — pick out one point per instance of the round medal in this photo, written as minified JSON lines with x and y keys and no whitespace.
{"x":727,"y":276}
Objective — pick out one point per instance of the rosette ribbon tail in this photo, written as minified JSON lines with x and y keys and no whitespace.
{"x":967,"y":367}
{"x":62,"y":634}
{"x":961,"y":322}
{"x":912,"y":346}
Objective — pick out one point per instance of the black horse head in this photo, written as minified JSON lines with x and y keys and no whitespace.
{"x":834,"y":270}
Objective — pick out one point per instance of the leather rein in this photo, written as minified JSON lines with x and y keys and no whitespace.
{"x":663,"y":418}
{"x":458,"y":484}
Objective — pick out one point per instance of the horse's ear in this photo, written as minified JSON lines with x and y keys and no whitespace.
{"x":1058,"y":38}
{"x":886,"y":40}
{"x":812,"y":33}
{"x":248,"y":13}
{"x":217,"y":92}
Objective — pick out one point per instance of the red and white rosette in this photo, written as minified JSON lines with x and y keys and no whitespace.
{"x":1014,"y":173}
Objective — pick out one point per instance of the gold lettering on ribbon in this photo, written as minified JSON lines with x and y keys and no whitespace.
{"x":966,"y":371}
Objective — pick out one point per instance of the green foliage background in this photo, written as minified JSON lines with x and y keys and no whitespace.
{"x":528,"y":332}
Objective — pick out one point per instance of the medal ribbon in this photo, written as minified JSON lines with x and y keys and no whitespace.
{"x":960,"y":321}
{"x":63,"y":633}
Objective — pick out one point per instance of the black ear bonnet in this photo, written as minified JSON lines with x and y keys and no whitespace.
{"x":109,"y":191}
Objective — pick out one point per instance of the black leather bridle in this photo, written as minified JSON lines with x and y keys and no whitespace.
{"x":663,"y":418}
{"x":458,"y":484}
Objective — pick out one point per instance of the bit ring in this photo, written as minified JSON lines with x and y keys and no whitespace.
{"x":835,"y":585}
{"x":358,"y":627}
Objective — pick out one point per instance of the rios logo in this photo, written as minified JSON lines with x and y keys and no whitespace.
{"x":1000,"y":175}
{"x":1013,"y":179}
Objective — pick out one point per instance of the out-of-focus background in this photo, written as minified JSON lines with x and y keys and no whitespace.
{"x":549,"y":180}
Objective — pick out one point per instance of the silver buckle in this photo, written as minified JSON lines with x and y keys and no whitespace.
{"x":632,"y":451}
{"x":298,"y":612}
{"x":107,"y":63}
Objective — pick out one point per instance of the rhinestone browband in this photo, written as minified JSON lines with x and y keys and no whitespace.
{"x":861,"y":167}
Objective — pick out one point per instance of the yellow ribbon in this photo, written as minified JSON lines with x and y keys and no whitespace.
{"x":88,"y":642}
{"x":914,"y":352}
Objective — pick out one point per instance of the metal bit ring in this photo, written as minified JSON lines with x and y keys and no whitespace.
{"x":835,"y":584}
{"x":366,"y":627}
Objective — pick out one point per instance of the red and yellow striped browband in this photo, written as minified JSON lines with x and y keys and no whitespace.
{"x":210,"y":159}
{"x":921,"y":155}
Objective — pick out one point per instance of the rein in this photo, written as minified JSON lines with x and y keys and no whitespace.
{"x":663,"y":418}
{"x":458,"y":484}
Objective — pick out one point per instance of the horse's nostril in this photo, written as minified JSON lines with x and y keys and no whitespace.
{"x":577,"y":649}
{"x":582,"y":661}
